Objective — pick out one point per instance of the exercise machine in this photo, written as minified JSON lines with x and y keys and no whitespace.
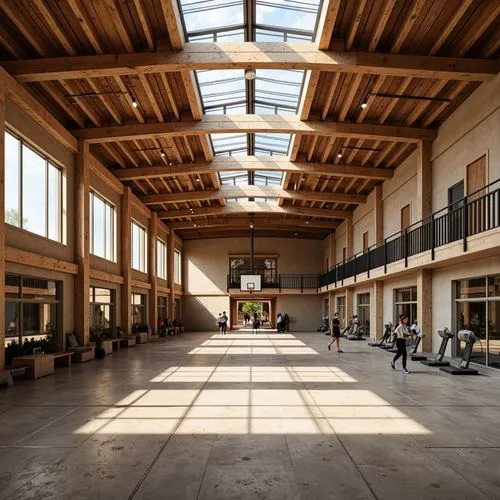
{"x":446,"y":335}
{"x":385,"y":338}
{"x":391,"y":342}
{"x":469,"y":338}
{"x":324,"y":328}
{"x":418,"y":335}
{"x":357,"y":330}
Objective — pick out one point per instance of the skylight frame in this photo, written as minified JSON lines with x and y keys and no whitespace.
{"x":284,"y":98}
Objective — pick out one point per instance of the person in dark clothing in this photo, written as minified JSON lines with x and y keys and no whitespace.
{"x":286,"y":323}
{"x":224,"y":323}
{"x":401,"y":334}
{"x":335,"y":332}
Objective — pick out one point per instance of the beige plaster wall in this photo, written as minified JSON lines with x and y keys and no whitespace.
{"x":304,"y":311}
{"x":206,"y":262}
{"x":470,"y":132}
{"x":200,"y":312}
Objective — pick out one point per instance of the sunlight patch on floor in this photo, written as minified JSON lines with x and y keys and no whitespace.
{"x":254,"y":411}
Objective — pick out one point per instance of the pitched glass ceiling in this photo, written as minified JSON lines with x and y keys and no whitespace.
{"x":272,"y":91}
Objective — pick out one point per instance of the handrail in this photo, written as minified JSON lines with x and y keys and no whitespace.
{"x":456,"y":221}
{"x":428,"y":218}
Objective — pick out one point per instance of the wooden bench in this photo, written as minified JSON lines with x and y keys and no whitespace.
{"x":62,"y":359}
{"x":127,"y":341}
{"x":39,"y":365}
{"x":116,"y":344}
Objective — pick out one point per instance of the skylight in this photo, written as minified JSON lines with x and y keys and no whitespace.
{"x":272,"y":91}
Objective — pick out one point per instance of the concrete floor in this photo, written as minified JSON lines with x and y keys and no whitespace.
{"x":259,"y":417}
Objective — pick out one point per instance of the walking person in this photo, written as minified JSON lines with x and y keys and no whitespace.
{"x":286,"y":323}
{"x":219,"y":322}
{"x":255,"y":324}
{"x":401,"y":334}
{"x":224,"y":319}
{"x":335,"y":333}
{"x":279,"y":323}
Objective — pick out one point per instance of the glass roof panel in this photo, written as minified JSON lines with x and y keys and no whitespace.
{"x":223,"y":92}
{"x":288,"y":14}
{"x":202,"y":17}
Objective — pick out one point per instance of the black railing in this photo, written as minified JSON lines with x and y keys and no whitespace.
{"x":281,"y":281}
{"x":474,"y":214}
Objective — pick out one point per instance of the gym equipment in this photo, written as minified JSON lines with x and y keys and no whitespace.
{"x":356,"y":330}
{"x":385,"y":338}
{"x":446,"y":335}
{"x":469,"y":338}
{"x":391,"y":343}
{"x":324,"y":328}
{"x":418,"y":336}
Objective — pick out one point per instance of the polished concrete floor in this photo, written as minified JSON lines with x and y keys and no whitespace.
{"x":205,"y":416}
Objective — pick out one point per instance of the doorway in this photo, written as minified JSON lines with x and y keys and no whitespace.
{"x":263,"y":307}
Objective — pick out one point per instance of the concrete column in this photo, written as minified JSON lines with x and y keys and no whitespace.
{"x":2,"y":225}
{"x":424,"y":307}
{"x":349,"y":238}
{"x":349,"y":304}
{"x":153,"y":294}
{"x":377,"y":310}
{"x":82,"y":242}
{"x":379,"y":214}
{"x":170,"y":272}
{"x":126,"y":256}
{"x":424,"y":179}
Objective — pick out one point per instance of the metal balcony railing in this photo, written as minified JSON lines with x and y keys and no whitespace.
{"x":474,"y":214}
{"x":276,"y":281}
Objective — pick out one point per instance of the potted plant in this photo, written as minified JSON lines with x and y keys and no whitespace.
{"x":95,"y":338}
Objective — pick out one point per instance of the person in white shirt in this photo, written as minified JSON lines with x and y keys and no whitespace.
{"x":401,"y":333}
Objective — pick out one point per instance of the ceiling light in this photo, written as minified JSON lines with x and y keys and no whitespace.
{"x":198,"y":179}
{"x":296,"y":234}
{"x":339,"y":154}
{"x":162,"y":153}
{"x":364,"y":104}
{"x":134,"y":102}
{"x":250,"y":74}
{"x":251,"y":225}
{"x":191,"y":210}
{"x":307,"y":222}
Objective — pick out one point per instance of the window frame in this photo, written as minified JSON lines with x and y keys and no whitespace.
{"x":164,"y":261}
{"x":49,"y":162}
{"x":93,"y":193}
{"x":143,"y":254}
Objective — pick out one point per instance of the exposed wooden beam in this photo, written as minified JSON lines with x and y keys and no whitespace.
{"x":20,"y":96}
{"x":237,"y":124}
{"x":256,"y":55}
{"x":251,"y":192}
{"x":327,"y":19}
{"x":172,"y":18}
{"x":245,"y":163}
{"x":267,"y":222}
{"x":241,"y":208}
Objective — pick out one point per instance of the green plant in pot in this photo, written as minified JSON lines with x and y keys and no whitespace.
{"x":96,"y":336}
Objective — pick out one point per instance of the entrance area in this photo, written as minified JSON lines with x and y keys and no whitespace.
{"x":263,"y":307}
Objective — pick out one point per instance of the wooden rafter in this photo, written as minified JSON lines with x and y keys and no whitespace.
{"x":251,"y":192}
{"x":255,"y":208}
{"x":210,"y":124}
{"x":246,"y":163}
{"x":256,"y":55}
